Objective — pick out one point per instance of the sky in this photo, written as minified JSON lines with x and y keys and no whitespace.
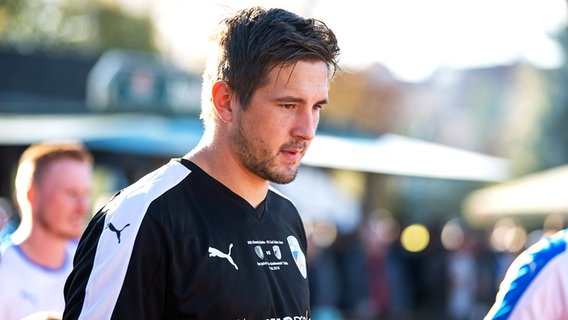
{"x":412,"y":38}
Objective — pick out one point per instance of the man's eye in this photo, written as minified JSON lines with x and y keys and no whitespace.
{"x":288,"y":106}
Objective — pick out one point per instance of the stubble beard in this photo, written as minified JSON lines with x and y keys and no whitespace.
{"x":46,"y":224}
{"x":262,"y":162}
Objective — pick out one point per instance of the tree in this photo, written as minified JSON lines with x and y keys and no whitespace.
{"x":72,"y":25}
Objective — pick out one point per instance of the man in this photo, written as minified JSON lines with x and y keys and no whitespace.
{"x":536,"y":284}
{"x":205,"y":236}
{"x":53,"y":186}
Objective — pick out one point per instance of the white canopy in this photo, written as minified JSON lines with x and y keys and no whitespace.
{"x":398,"y":155}
{"x":539,"y":193}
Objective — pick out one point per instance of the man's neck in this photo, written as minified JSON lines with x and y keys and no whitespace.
{"x":44,"y":249}
{"x":230,"y":173}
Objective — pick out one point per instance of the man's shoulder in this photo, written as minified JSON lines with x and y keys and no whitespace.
{"x":546,"y":250}
{"x":538,"y":256}
{"x":150,"y":187}
{"x":278,"y":195}
{"x":10,"y":258}
{"x":531,"y":274}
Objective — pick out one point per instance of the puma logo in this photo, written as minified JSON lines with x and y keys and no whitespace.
{"x":115,"y":230}
{"x":216,"y":253}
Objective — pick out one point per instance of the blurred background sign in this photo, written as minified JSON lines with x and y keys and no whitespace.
{"x":127,"y":80}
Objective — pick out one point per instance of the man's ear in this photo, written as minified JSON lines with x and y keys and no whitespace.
{"x":222,"y":100}
{"x":31,"y":194}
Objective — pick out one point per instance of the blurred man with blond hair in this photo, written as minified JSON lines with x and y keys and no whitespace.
{"x":53,"y":186}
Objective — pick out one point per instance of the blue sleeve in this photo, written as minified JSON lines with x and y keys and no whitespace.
{"x":523,"y":271}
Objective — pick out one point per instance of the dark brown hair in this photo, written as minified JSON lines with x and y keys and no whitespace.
{"x":255,"y":40}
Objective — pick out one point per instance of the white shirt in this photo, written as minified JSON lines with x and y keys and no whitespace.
{"x":536,"y":284}
{"x":26,"y":287}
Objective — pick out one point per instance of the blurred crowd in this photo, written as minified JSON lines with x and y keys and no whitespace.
{"x":369,"y":274}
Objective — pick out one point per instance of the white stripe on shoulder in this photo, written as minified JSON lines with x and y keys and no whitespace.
{"x":122,"y":221}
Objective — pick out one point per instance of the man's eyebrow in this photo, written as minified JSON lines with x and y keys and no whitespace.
{"x":299,"y":100}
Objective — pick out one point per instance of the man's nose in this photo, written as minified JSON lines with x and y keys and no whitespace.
{"x":306,"y":124}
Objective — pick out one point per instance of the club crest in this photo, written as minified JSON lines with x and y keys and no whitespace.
{"x":277,"y":253}
{"x":299,"y":257}
{"x":259,"y":253}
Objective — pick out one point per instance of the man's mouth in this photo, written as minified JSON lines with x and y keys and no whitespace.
{"x":294,"y":151}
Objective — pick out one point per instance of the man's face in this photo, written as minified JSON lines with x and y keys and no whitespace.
{"x":62,"y":198}
{"x":272,"y":135}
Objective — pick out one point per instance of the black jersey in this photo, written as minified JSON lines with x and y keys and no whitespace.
{"x":178,"y":244}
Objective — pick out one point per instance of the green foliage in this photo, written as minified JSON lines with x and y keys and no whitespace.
{"x":118,"y":30}
{"x":72,"y":25}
